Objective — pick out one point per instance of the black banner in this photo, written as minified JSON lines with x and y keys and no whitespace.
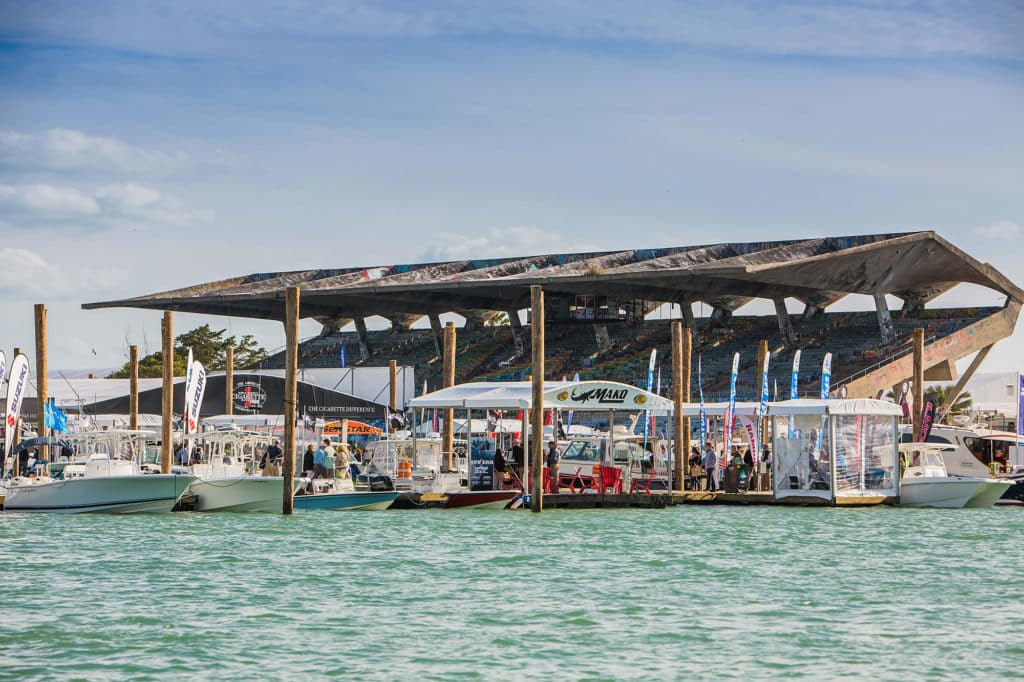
{"x":252,"y":394}
{"x":927,"y":417}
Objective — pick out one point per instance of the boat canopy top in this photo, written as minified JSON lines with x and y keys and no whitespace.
{"x":580,"y":395}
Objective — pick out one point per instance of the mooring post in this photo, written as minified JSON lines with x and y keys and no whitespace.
{"x":447,"y":381}
{"x":229,"y":380}
{"x":680,"y":394}
{"x":393,"y":397}
{"x":167,"y":391}
{"x":918,"y":382}
{"x":133,"y":387}
{"x":537,"y":413}
{"x":42,"y":389}
{"x":291,"y":371}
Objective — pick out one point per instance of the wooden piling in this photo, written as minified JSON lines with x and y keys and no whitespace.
{"x":291,"y":371}
{"x":448,"y":380}
{"x":167,"y":392}
{"x":918,"y":381}
{"x":393,"y":385}
{"x":42,"y":386}
{"x":133,"y":387}
{"x":681,"y":351}
{"x":229,"y":380}
{"x":537,"y":413}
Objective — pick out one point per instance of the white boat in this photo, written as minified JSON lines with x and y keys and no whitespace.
{"x":961,"y":462}
{"x":104,"y":482}
{"x":927,"y":483}
{"x":227,"y":480}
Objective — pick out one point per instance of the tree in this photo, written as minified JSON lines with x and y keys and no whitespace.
{"x":208,"y":347}
{"x":944,"y":393}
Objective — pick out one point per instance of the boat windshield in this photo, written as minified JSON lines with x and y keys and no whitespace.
{"x":582,"y":451}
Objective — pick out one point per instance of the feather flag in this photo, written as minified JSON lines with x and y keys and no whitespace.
{"x":762,"y":409}
{"x":826,"y":384}
{"x":794,"y":390}
{"x":194,"y":395}
{"x":16,"y":386}
{"x":185,"y":421}
{"x":650,"y":386}
{"x":703,"y":414}
{"x":568,"y":418}
{"x":730,"y":414}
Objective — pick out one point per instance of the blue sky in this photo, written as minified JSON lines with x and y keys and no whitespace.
{"x":146,"y":146}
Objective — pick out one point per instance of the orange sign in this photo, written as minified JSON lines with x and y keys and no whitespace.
{"x":354,"y":429}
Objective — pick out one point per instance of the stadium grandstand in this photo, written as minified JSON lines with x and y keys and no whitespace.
{"x":598,"y":305}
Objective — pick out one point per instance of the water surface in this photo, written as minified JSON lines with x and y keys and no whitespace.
{"x":725,"y":592}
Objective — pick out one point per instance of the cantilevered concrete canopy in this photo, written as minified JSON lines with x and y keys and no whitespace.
{"x":916,"y":266}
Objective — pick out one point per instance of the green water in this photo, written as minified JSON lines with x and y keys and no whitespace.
{"x":717,"y":592}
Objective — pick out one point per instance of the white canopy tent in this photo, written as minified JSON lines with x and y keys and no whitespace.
{"x":518,"y":395}
{"x":835,"y":448}
{"x":583,"y":396}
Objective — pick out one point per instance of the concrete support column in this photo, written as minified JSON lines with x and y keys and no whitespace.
{"x":885,"y":327}
{"x":364,"y":342}
{"x":785,"y":327}
{"x":436,"y":332}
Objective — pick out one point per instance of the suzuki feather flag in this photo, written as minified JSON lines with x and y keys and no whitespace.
{"x":826,"y":384}
{"x":794,"y":389}
{"x":731,"y":412}
{"x":762,"y":409}
{"x":703,"y":415}
{"x":16,"y":386}
{"x":194,"y":395}
{"x":188,"y":382}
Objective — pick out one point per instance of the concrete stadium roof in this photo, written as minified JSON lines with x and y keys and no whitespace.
{"x":915,"y":266}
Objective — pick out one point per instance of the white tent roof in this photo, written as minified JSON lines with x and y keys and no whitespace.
{"x":512,"y":395}
{"x":852,"y":406}
{"x":719,"y":409}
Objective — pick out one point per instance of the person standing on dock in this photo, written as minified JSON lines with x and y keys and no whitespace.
{"x":273,"y":457}
{"x":710,"y":464}
{"x":329,"y":454}
{"x":552,"y":463}
{"x":320,"y":463}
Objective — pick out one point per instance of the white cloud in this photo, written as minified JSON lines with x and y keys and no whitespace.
{"x":26,"y":274}
{"x":497,"y":243}
{"x":60,"y":149}
{"x":1004,"y":229}
{"x":44,"y":205}
{"x":48,"y":200}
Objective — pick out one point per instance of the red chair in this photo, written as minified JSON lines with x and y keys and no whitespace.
{"x":610,"y":480}
{"x":642,"y":483}
{"x":550,"y":487}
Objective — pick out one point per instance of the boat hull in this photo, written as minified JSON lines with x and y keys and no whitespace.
{"x":241,"y":493}
{"x":988,"y":493}
{"x":351,"y":501}
{"x":481,"y":499}
{"x":942,"y":492}
{"x":150,"y":494}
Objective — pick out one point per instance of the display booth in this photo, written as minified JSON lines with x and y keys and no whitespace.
{"x":834,"y":449}
{"x":591,"y":396}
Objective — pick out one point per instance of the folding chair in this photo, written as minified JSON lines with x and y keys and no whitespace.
{"x":610,"y":479}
